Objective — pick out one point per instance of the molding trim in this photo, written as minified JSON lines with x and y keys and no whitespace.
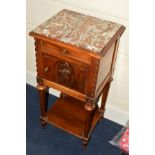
{"x":112,"y":113}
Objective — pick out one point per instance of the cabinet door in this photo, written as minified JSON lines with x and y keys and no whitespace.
{"x":64,"y":72}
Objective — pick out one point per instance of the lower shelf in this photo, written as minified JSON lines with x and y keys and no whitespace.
{"x":69,"y":114}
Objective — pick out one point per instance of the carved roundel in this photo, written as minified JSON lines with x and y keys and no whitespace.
{"x":65,"y":73}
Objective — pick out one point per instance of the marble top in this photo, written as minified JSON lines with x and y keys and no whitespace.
{"x":78,"y":29}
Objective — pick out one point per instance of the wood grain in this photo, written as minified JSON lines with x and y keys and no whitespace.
{"x":81,"y":75}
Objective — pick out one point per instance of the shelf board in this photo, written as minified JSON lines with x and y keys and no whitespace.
{"x":69,"y":114}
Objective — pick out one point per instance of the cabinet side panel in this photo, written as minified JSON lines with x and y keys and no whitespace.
{"x":105,"y":66}
{"x":92,"y":77}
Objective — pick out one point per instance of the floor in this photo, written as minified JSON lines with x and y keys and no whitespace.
{"x":53,"y":141}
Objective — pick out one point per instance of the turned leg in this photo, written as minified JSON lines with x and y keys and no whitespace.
{"x":90,"y":109}
{"x":41,"y":89}
{"x":104,"y":98}
{"x":84,"y":143}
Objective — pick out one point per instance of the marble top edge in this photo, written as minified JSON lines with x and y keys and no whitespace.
{"x":84,"y":31}
{"x":89,"y":16}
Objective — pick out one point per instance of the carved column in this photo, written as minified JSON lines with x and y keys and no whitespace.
{"x":41,"y":88}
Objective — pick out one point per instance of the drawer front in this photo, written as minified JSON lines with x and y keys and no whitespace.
{"x":65,"y":53}
{"x":66,"y":73}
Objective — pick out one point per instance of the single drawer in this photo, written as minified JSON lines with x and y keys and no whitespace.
{"x":65,"y":53}
{"x":70,"y":74}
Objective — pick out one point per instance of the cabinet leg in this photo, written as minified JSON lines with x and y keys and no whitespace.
{"x":90,"y":109}
{"x":104,"y":99}
{"x":43,"y":123}
{"x":42,"y":98}
{"x":84,"y":143}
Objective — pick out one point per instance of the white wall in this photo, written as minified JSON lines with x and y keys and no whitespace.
{"x":40,"y":10}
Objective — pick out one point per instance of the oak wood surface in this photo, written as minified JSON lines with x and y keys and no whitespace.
{"x":65,"y":90}
{"x":65,"y":53}
{"x":64,"y":72}
{"x":70,"y":115}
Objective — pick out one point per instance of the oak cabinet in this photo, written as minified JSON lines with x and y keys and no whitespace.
{"x":75,"y":54}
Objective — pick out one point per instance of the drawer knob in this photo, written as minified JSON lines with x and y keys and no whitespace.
{"x":46,"y":69}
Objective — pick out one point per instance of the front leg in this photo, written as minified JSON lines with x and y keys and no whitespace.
{"x":90,"y":109}
{"x":42,"y":98}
